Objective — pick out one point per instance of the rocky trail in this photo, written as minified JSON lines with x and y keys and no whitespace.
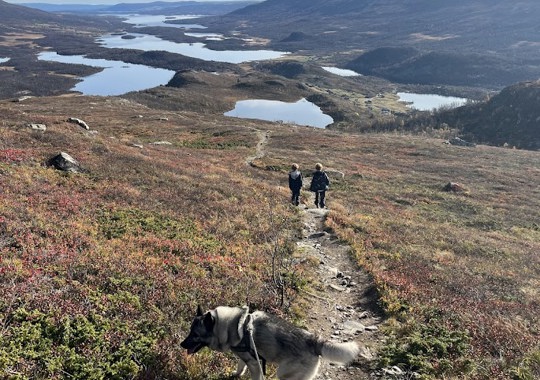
{"x":345,"y":308}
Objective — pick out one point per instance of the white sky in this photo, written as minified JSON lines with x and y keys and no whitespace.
{"x":89,"y":2}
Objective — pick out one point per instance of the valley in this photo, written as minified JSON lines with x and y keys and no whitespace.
{"x":427,"y":252}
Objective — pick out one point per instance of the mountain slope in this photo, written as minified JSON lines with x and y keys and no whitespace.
{"x":12,"y":13}
{"x":100,"y":271}
{"x":510,"y":117}
{"x":481,"y":35}
{"x":18,"y":18}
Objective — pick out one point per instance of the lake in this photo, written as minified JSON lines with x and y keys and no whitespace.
{"x":429,"y":102}
{"x":141,"y":21}
{"x":207,"y":36}
{"x":341,"y":72}
{"x":147,"y":42}
{"x":301,"y":112}
{"x":117,"y":77}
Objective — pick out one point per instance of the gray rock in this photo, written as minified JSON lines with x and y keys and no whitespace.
{"x":353,"y":327}
{"x":65,"y":162}
{"x":161,"y":143}
{"x":336,"y":287}
{"x":23,"y":98}
{"x":454,"y":187}
{"x":37,"y":127}
{"x":460,"y":142}
{"x":79,"y":122}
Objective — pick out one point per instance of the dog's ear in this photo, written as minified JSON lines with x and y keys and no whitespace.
{"x":199,"y":311}
{"x":209,"y":321}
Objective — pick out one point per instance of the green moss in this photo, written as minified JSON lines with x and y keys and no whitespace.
{"x":116,"y":224}
{"x":41,"y":345}
{"x":529,"y":368}
{"x":427,"y":348}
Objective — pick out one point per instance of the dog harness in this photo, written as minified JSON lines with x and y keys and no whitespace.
{"x":247,"y":343}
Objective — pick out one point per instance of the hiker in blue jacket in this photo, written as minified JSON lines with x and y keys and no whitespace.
{"x":295,"y":184}
{"x":319,"y":185}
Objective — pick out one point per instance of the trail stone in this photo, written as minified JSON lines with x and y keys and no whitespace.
{"x":353,"y":327}
{"x":336,"y":287}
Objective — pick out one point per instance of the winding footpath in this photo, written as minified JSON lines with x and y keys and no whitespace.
{"x":345,"y":306}
{"x":344,"y":309}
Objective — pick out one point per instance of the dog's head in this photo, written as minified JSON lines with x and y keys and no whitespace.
{"x":201,"y":332}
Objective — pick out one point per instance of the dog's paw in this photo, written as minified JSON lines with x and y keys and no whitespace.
{"x":240,"y":369}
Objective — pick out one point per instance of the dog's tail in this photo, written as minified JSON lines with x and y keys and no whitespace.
{"x":342,"y":353}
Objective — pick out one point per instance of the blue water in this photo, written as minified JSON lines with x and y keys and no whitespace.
{"x":429,"y":102}
{"x":147,"y":42}
{"x":341,"y":72}
{"x":301,"y":112}
{"x":117,"y":77}
{"x":140,"y":21}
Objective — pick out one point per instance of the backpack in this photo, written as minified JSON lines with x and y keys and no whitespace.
{"x":319,"y":182}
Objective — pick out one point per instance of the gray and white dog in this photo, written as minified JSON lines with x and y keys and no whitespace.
{"x":259,"y":337}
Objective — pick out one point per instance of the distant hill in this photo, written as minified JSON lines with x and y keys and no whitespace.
{"x":409,"y":65}
{"x":484,"y":43}
{"x":511,"y":117}
{"x":181,"y":7}
{"x":12,"y":13}
{"x":155,"y":7}
{"x":321,"y":7}
{"x":15,"y":17}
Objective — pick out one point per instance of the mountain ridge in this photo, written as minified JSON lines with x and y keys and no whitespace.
{"x":476,"y":30}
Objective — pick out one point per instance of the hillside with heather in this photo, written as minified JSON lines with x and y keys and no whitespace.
{"x":103,"y":268}
{"x":511,"y":117}
{"x":119,"y":215}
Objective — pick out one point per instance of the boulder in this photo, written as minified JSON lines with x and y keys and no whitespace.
{"x":454,"y":187}
{"x":79,"y":122}
{"x":335,"y":174}
{"x":37,"y":127}
{"x":63,"y":161}
{"x":460,"y":142}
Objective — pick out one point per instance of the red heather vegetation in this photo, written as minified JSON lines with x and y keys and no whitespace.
{"x":101,"y":271}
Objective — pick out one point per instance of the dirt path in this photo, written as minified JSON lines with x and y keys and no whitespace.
{"x":259,"y":149}
{"x":344,"y":308}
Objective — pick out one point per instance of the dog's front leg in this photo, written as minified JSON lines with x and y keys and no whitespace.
{"x":240,"y":368}
{"x":252,"y":364}
{"x":254,"y":370}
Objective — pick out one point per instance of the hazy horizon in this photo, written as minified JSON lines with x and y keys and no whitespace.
{"x":107,"y":2}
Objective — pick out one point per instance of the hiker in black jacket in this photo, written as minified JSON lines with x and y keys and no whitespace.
{"x":295,"y":184}
{"x":319,"y":185}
